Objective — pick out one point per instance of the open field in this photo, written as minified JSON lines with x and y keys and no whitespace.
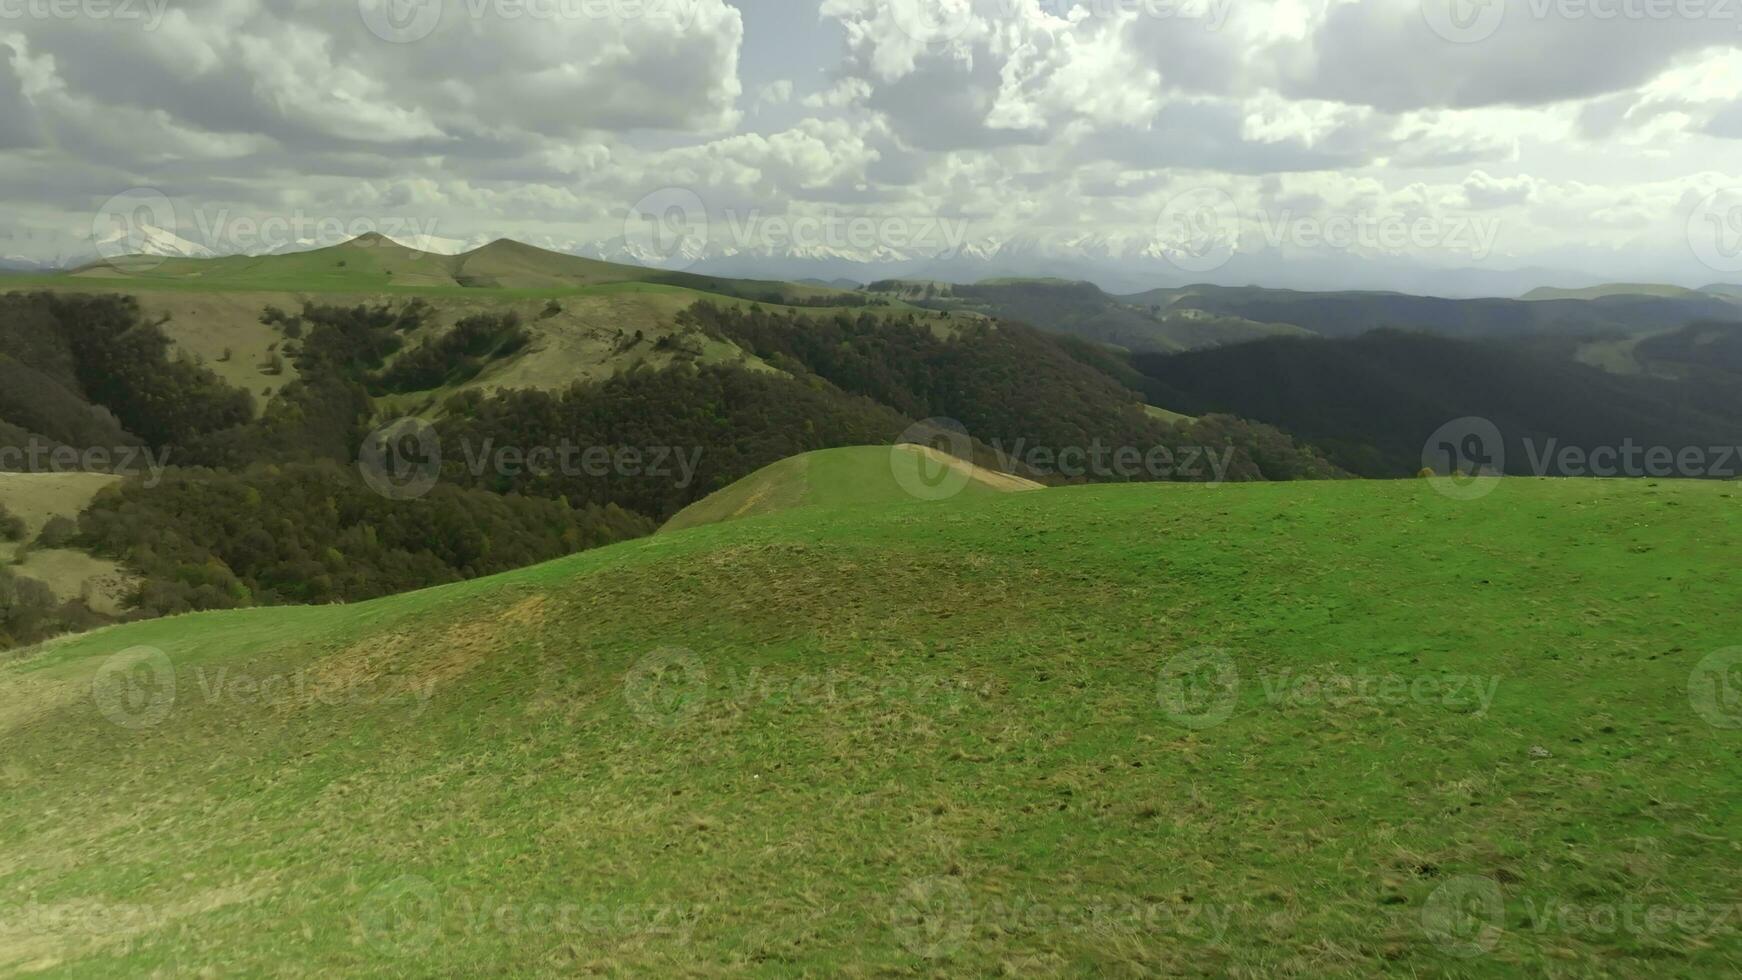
{"x":1313,"y":728}
{"x":37,"y":497}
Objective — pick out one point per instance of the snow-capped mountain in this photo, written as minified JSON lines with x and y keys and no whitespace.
{"x":139,"y":238}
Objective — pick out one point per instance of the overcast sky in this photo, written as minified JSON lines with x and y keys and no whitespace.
{"x":1557,"y":132}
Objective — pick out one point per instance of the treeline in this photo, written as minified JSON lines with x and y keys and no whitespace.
{"x":1003,"y":381}
{"x":673,"y":435}
{"x":88,"y":370}
{"x":312,"y":532}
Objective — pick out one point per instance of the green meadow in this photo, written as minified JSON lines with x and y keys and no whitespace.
{"x":1336,"y":728}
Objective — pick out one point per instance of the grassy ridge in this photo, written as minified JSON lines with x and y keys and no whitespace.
{"x":925,"y":738}
{"x":852,"y":476}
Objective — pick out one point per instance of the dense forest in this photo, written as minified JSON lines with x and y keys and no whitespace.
{"x":1006,"y":383}
{"x":1370,"y":402}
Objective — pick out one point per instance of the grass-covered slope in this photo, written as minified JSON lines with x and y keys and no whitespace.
{"x":852,"y":476}
{"x":1323,"y":728}
{"x":376,"y":263}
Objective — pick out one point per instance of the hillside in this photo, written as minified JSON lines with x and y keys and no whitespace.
{"x":1081,"y":309}
{"x":1615,"y":289}
{"x":1371,"y":402}
{"x":376,"y":263}
{"x":586,"y":315}
{"x":1096,"y":729}
{"x":1347,"y":314}
{"x":852,"y":476}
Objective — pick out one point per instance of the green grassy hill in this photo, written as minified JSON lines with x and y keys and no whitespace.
{"x":1614,"y":289}
{"x":584,"y":314}
{"x":853,"y":476}
{"x":374,"y":263}
{"x":1325,"y":728}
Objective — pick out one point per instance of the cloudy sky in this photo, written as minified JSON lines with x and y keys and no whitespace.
{"x":1597,"y":135}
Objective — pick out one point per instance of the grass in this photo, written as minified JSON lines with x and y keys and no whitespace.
{"x":37,"y":497}
{"x":927,"y":738}
{"x":853,"y":476}
{"x":211,"y":308}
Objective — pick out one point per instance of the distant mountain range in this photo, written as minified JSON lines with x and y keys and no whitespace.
{"x":1116,"y":264}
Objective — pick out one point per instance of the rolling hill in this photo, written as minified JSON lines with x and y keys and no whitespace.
{"x":1343,"y":727}
{"x":852,"y":476}
{"x":375,"y":263}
